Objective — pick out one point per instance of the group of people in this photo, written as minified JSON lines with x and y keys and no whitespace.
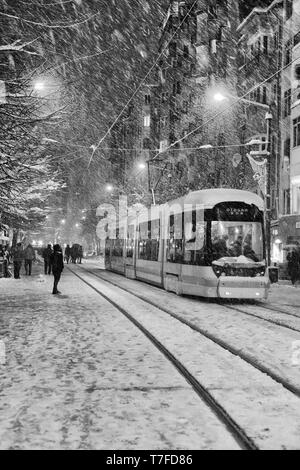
{"x":53,"y":260}
{"x":5,"y":259}
{"x":221,"y":247}
{"x":73,"y":253}
{"x":17,"y":255}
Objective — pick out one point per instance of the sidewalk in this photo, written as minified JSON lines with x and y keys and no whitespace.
{"x":79,"y":375}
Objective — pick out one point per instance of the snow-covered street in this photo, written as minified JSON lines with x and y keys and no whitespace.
{"x":77,"y":374}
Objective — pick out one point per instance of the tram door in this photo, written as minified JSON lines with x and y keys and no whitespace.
{"x":130,"y":253}
{"x":173,"y":253}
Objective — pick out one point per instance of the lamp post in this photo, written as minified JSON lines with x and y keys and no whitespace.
{"x":268,"y":118}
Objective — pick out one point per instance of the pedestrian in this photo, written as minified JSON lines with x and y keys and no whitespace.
{"x":67,"y":253}
{"x":47,"y":252}
{"x":4,"y":257}
{"x":293,"y":259}
{"x":57,"y":263}
{"x":18,"y":256}
{"x":29,"y":256}
{"x":80,"y":253}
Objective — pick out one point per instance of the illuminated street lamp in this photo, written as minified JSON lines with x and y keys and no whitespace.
{"x":39,"y":86}
{"x":63,"y":221}
{"x":109,"y":188}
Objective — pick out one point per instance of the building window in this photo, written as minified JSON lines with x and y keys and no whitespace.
{"x":147,"y":121}
{"x":286,"y":201}
{"x":287,"y":147}
{"x":146,"y":143}
{"x":288,"y":9}
{"x":213,"y":46}
{"x":297,"y":71}
{"x":185,"y":52}
{"x":172,"y":49}
{"x":264,"y":94}
{"x":258,"y":94}
{"x":288,"y":52}
{"x":297,"y":38}
{"x":147,"y":99}
{"x":296,"y":131}
{"x":265,"y":44}
{"x":164,"y":97}
{"x":287,"y":103}
{"x":258,"y":45}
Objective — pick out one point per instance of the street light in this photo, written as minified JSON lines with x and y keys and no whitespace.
{"x":109,"y":188}
{"x":268,"y":118}
{"x":142,"y":166}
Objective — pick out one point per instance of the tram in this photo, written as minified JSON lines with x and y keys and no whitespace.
{"x":209,"y":243}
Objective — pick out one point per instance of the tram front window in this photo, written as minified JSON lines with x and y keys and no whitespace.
{"x":233,"y":239}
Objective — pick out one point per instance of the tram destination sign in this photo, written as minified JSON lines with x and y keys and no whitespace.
{"x":236,"y":211}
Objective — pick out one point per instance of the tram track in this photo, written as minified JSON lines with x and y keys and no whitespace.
{"x":278,"y":310}
{"x":228,"y":347}
{"x":267,"y":320}
{"x":232,"y":426}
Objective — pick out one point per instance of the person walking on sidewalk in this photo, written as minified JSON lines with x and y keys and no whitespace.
{"x":67,"y":254}
{"x":57,"y":263}
{"x":293,"y":259}
{"x":18,"y":256}
{"x":29,"y":256}
{"x":47,"y":252}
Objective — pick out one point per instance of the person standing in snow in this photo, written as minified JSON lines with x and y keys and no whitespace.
{"x":47,"y":252}
{"x":57,"y":263}
{"x":18,"y":256}
{"x":29,"y":256}
{"x":293,"y":259}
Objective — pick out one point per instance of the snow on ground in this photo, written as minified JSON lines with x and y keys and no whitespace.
{"x":258,"y":404}
{"x":79,"y":375}
{"x":270,"y":345}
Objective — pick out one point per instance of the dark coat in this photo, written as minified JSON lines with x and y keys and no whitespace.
{"x":293,"y":259}
{"x":18,"y":254}
{"x":29,"y":253}
{"x":47,"y":252}
{"x":57,"y":262}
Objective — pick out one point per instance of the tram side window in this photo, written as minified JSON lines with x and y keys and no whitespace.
{"x":130,"y":241}
{"x":175,"y":242}
{"x":194,"y":239}
{"x":107,"y":248}
{"x":117,"y":247}
{"x":149,"y":240}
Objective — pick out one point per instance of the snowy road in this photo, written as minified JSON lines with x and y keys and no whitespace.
{"x":268,"y":344}
{"x":78,"y":375}
{"x":272,"y":404}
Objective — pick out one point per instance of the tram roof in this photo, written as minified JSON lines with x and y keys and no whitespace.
{"x":210,"y":197}
{"x":207,"y":198}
